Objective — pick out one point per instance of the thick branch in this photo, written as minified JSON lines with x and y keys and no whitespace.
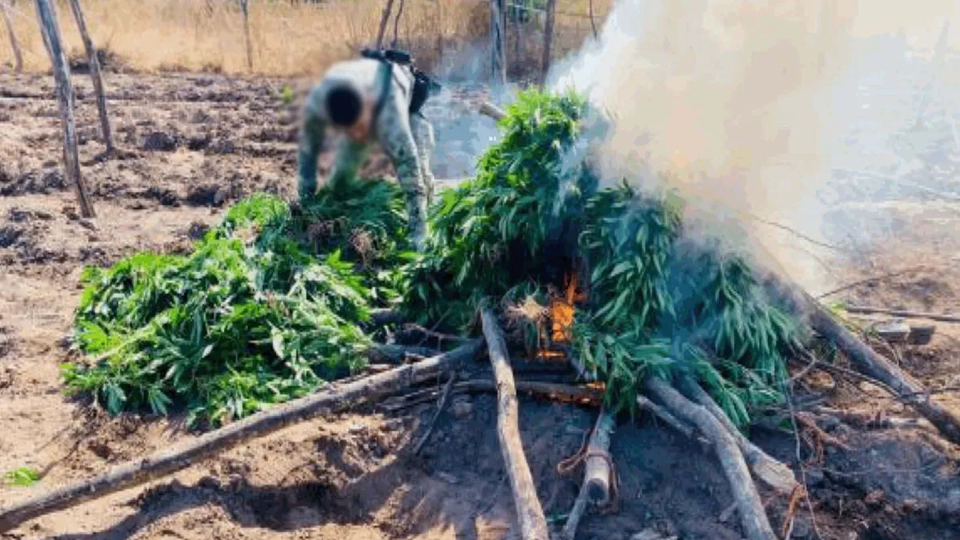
{"x":596,"y":475}
{"x":754,"y":520}
{"x":94,"y":75}
{"x":533,"y":523}
{"x":767,"y":469}
{"x":165,"y":462}
{"x":867,"y":361}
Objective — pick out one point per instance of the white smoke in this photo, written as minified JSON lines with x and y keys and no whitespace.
{"x":746,"y":104}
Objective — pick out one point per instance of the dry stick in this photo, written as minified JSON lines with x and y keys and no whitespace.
{"x":95,"y":75}
{"x":245,"y":11}
{"x":396,"y":25}
{"x":14,"y":44}
{"x":596,"y":475}
{"x":547,"y":390}
{"x":767,"y":469}
{"x":533,"y":523}
{"x":61,"y":74}
{"x":433,"y":421}
{"x":334,"y":399}
{"x":384,"y":18}
{"x":867,"y":310}
{"x":498,"y":61}
{"x":753,"y":519}
{"x":547,"y":42}
{"x":849,"y":286}
{"x":870,"y":363}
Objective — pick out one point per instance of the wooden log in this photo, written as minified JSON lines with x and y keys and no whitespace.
{"x":336,"y":398}
{"x":753,"y":519}
{"x":596,"y":476}
{"x":547,"y":42}
{"x":872,"y":364}
{"x":61,"y":74}
{"x":768,"y":470}
{"x":14,"y":44}
{"x":498,"y":53}
{"x":533,"y":523}
{"x":867,"y":310}
{"x":491,"y":110}
{"x":94,"y":75}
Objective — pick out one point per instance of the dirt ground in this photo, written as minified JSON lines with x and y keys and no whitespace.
{"x":196,"y":143}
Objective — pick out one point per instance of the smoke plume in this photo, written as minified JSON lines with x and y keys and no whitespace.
{"x":746,"y":106}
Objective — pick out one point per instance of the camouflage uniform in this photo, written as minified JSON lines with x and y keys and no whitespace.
{"x":406,"y":138}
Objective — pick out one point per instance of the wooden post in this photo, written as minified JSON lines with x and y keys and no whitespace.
{"x":498,"y":62}
{"x":532,"y":521}
{"x":95,"y":75}
{"x":384,"y":18}
{"x":439,"y":34}
{"x":396,"y":26}
{"x":245,"y":11}
{"x":17,"y":56}
{"x":547,"y":42}
{"x":61,"y":74}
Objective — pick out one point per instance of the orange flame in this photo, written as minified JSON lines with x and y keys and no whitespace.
{"x":561,"y":313}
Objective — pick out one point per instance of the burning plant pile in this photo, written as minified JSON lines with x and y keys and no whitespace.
{"x":534,"y":229}
{"x":538,"y":253}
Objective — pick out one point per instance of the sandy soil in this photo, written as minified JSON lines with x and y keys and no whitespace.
{"x":197,"y":143}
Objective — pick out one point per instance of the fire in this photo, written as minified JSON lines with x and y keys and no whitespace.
{"x":561,"y":313}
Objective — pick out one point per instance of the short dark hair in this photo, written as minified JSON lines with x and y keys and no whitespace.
{"x":343,"y":106}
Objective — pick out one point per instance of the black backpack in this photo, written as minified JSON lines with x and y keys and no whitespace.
{"x":423,"y":85}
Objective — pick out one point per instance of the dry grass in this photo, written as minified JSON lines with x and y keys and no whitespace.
{"x":289,"y":39}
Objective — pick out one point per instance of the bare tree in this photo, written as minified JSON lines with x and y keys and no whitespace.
{"x":95,"y":75}
{"x":61,"y":74}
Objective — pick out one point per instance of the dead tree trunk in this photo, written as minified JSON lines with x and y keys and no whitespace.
{"x":61,"y":74}
{"x":753,"y":518}
{"x":547,"y":42}
{"x":95,"y":75}
{"x":14,"y":44}
{"x":245,"y":11}
{"x":165,"y":462}
{"x":498,"y":59}
{"x":868,"y":362}
{"x":384,"y":19}
{"x":533,"y":523}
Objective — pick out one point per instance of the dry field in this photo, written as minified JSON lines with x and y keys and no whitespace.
{"x":198,"y":141}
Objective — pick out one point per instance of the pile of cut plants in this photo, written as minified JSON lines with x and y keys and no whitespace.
{"x":538,"y":260}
